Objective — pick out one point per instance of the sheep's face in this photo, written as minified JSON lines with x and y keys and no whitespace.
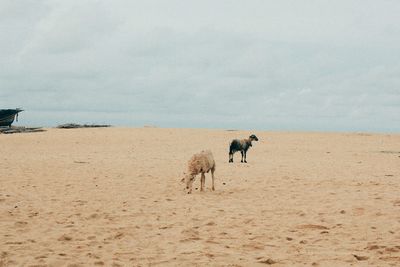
{"x":253,"y":137}
{"x":188,"y":182}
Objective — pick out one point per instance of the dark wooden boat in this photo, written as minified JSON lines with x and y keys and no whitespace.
{"x":7,"y":116}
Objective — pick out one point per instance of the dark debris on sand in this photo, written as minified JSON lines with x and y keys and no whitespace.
{"x":75,"y":125}
{"x":12,"y":130}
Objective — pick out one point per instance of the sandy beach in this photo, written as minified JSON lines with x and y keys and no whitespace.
{"x":113,"y":197}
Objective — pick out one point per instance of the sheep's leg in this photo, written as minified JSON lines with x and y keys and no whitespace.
{"x":189,"y":184}
{"x":242,"y":156}
{"x":245,"y":156}
{"x":202,"y":181}
{"x":231,"y":152}
{"x":212,"y":175}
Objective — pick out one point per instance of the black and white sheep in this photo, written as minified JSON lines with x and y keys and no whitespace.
{"x":199,"y":163}
{"x":242,"y":146}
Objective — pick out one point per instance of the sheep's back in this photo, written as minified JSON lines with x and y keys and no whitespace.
{"x":237,"y":145}
{"x":201,"y":162}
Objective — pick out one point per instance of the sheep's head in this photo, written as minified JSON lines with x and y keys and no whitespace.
{"x":188,"y":180}
{"x":253,"y":138}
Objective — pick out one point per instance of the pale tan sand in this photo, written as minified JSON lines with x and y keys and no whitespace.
{"x":112,"y":197}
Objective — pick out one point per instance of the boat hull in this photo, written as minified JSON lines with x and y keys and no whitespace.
{"x":7,"y":116}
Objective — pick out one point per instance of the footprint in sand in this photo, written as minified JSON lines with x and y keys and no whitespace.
{"x":93,"y":216}
{"x":20,"y":224}
{"x":210,"y":255}
{"x":119,"y":236}
{"x":312,"y":227}
{"x":268,"y":261}
{"x":374,"y":247}
{"x":254,"y":246}
{"x":190,"y":235}
{"x":14,"y":243}
{"x":358,"y":211}
{"x":65,"y":238}
{"x":212,"y":241}
{"x":391,"y":250}
{"x":33,"y":214}
{"x":92,"y":255}
{"x":360,"y":258}
{"x":80,"y":202}
{"x":393,"y":259}
{"x":396,"y":202}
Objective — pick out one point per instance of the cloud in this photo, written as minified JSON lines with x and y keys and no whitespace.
{"x":265,"y":65}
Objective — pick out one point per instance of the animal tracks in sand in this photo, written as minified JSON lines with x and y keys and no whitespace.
{"x":282,"y":209}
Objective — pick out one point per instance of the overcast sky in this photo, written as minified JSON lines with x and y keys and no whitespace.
{"x":268,"y":65}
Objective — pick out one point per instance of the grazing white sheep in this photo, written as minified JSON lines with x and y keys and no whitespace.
{"x":199,"y":163}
